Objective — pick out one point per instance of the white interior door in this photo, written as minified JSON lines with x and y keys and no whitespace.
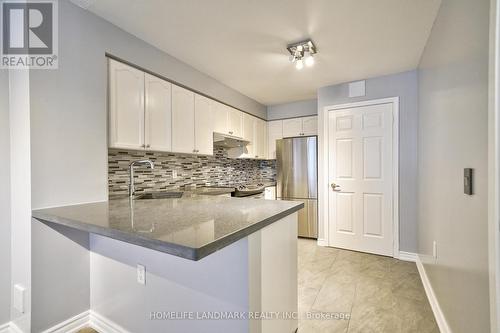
{"x":361,"y":177}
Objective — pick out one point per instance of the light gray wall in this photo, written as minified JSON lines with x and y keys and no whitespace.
{"x":219,"y":282}
{"x":5,"y":241}
{"x":294,"y":109}
{"x":403,"y":85}
{"x":453,"y":111}
{"x":61,"y":274}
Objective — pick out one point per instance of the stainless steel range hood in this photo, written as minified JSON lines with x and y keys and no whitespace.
{"x":228,"y":141}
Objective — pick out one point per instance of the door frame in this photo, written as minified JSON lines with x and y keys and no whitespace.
{"x":323,"y":167}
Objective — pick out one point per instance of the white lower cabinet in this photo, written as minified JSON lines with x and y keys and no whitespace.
{"x":182,"y":120}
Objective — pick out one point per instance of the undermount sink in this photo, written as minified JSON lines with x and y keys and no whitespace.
{"x":160,"y":195}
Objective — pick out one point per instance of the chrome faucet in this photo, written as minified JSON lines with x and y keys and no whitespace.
{"x":131,"y":186}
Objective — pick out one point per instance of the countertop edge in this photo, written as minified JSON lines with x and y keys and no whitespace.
{"x":181,"y":251}
{"x":162,"y":246}
{"x":242,"y":233}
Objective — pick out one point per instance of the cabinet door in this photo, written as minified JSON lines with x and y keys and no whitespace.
{"x":158,"y":130}
{"x":220,"y":117}
{"x":249,"y":134}
{"x":235,"y":122}
{"x":126,"y":106}
{"x":203,"y":125}
{"x":292,"y":127}
{"x":310,"y":125}
{"x":182,"y":120}
{"x":274,"y":132}
{"x":260,"y":139}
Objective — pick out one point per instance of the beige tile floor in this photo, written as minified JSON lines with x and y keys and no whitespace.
{"x":380,"y":294}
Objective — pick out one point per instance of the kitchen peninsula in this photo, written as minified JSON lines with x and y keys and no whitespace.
{"x":202,"y":254}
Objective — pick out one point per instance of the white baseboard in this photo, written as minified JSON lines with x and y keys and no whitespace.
{"x":88,"y":318}
{"x":104,"y":325}
{"x":322,"y":242}
{"x":4,"y":328}
{"x":71,"y":325}
{"x":10,"y":328}
{"x":407,"y":256}
{"x":431,"y":296}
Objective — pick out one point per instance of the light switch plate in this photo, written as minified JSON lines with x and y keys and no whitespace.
{"x":18,"y":301}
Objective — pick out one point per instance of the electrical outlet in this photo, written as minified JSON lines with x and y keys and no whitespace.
{"x":434,"y":250}
{"x":18,"y":301}
{"x":141,"y":274}
{"x":174,"y":174}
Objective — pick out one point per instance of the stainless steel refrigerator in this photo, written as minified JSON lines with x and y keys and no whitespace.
{"x":297,"y":179}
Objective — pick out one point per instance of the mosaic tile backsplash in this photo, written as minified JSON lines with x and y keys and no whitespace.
{"x":217,"y":170}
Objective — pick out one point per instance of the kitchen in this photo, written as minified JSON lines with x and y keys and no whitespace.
{"x":182,"y":165}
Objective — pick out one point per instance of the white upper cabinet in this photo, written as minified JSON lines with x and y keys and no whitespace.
{"x":158,"y":116}
{"x":126,"y":106}
{"x":292,"y":127}
{"x":204,"y":125}
{"x":310,"y":125}
{"x":228,"y":120}
{"x":147,"y":112}
{"x":249,"y":134}
{"x":260,"y":139}
{"x":182,"y":120}
{"x":300,"y":126}
{"x":220,"y":118}
{"x":274,"y":132}
{"x":235,"y":122}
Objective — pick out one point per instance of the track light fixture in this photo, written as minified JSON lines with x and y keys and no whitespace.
{"x":302,"y":53}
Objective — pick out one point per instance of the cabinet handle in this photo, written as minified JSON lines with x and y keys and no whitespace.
{"x":143,"y":146}
{"x":148,"y":146}
{"x":230,"y":132}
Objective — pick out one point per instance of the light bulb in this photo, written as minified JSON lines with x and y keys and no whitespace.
{"x":299,"y":64}
{"x":309,"y":61}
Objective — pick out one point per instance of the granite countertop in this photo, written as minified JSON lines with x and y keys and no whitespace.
{"x":191,"y":227}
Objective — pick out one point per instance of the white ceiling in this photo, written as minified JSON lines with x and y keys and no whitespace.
{"x":242,"y":43}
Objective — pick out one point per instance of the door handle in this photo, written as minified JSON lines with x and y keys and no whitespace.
{"x":335,"y":187}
